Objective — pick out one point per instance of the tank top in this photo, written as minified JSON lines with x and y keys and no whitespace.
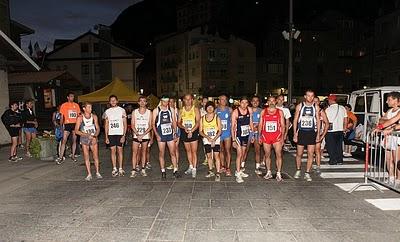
{"x":188,"y":118}
{"x":225,"y":117}
{"x":272,"y":123}
{"x":243,"y":124}
{"x":391,"y":113}
{"x":210,"y":128}
{"x":87,"y":125}
{"x":164,"y":122}
{"x":142,"y":123}
{"x":307,"y":118}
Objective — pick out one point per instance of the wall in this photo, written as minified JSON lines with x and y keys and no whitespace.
{"x":4,"y":137}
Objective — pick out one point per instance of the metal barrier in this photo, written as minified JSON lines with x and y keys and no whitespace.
{"x":382,"y":161}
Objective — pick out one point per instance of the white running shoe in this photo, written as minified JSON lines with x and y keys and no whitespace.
{"x":170,"y":167}
{"x":217,"y":177}
{"x":239,"y":178}
{"x":210,"y":174}
{"x":307,"y":177}
{"x":121,"y":172}
{"x":133,"y":174}
{"x":297,"y":175}
{"x":258,"y":171}
{"x":194,"y":173}
{"x":99,"y":176}
{"x":89,"y":178}
{"x":268,"y":175}
{"x":279,"y":177}
{"x":148,"y":166}
{"x":28,"y":154}
{"x":242,"y":174}
{"x":188,"y":171}
{"x":18,"y":158}
{"x":143,"y":172}
{"x":114,"y":172}
{"x":59,"y":160}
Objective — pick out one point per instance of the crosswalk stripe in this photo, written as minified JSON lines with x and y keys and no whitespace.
{"x":334,"y":175}
{"x":344,"y":166}
{"x":348,"y":186}
{"x":385,"y":203}
{"x":346,"y":159}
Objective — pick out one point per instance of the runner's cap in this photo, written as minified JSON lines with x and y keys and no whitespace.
{"x":332,"y":97}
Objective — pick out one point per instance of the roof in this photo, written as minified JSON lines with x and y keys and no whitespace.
{"x":134,"y":53}
{"x":116,"y":87}
{"x":20,"y":78}
{"x":383,"y":88}
{"x":14,"y":54}
{"x":22,"y":29}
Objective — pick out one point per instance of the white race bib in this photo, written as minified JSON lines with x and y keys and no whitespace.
{"x":141,"y":128}
{"x":224,"y":124}
{"x":89,"y":129}
{"x":306,"y":122}
{"x":188,"y":124}
{"x":245,"y":130}
{"x":115,"y":124}
{"x":271,"y":126}
{"x":166,"y":129}
{"x":211,"y":132}
{"x":72,"y":114}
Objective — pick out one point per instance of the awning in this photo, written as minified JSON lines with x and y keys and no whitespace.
{"x":117,"y":88}
{"x":25,"y":78}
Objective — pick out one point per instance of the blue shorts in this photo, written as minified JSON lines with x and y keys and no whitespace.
{"x":226,"y":134}
{"x":254,"y":135}
{"x":30,"y":130}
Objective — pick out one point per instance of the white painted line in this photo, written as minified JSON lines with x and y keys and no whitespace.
{"x":333,"y":175}
{"x":327,"y":159}
{"x":385,"y":203}
{"x":348,"y":186}
{"x":344,"y":166}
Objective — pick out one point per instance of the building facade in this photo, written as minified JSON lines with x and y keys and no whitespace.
{"x":194,"y":62}
{"x":95,"y":59}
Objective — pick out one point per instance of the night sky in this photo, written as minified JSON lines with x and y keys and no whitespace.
{"x":64,"y":19}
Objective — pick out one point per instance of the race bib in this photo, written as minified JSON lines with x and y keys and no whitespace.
{"x":188,"y":124}
{"x":245,"y":130}
{"x":224,"y":124}
{"x":90,"y":129}
{"x":211,"y":132}
{"x":306,"y":122}
{"x":115,"y":124}
{"x":72,"y":114}
{"x":271,"y":126}
{"x":141,"y":128}
{"x":166,"y":129}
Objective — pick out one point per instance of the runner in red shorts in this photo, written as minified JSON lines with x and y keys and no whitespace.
{"x":271,"y":129}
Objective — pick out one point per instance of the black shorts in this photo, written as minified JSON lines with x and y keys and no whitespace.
{"x":306,"y":137}
{"x":195,"y":136}
{"x":69,"y":127}
{"x":208,"y":148}
{"x":143,"y":140}
{"x":115,"y":140}
{"x":13,"y":131}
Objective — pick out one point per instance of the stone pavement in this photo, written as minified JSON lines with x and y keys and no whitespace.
{"x":40,"y":201}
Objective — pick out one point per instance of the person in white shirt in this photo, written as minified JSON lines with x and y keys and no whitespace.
{"x":337,"y":118}
{"x":115,"y":130}
{"x":286,"y":114}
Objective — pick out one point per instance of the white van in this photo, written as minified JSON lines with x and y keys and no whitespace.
{"x":369,"y":105}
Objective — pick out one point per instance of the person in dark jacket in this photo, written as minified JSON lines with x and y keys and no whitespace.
{"x":12,"y":121}
{"x":30,"y":124}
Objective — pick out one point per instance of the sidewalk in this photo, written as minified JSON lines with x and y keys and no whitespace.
{"x":40,"y":201}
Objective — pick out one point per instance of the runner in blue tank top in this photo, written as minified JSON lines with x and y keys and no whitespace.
{"x":224,"y":113}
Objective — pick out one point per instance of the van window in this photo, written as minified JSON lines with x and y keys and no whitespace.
{"x":385,"y":105}
{"x":360,"y":105}
{"x":373,"y":102}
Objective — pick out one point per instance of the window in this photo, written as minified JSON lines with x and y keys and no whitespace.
{"x":97,"y":68}
{"x":84,"y":47}
{"x":348,"y":71}
{"x":223,"y":53}
{"x":341,"y":53}
{"x":211,"y":54}
{"x":96,"y":47}
{"x":297,"y":54}
{"x":85,"y":69}
{"x":240,"y":69}
{"x":275,"y":68}
{"x":321,"y":53}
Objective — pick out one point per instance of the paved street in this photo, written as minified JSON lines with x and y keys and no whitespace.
{"x":40,"y":201}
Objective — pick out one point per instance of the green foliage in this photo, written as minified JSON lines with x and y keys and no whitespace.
{"x":35,"y":148}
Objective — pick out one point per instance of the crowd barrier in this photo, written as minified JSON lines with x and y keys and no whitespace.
{"x":382,"y":161}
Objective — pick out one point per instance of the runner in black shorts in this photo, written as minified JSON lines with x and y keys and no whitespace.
{"x":12,"y":121}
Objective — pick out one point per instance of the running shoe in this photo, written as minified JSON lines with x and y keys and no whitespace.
{"x":148,"y":166}
{"x":318,"y":170}
{"x":210,"y":174}
{"x":12,"y":159}
{"x":205,"y":162}
{"x":121,"y":172}
{"x":133,"y":174}
{"x":164,"y":175}
{"x":18,"y":158}
{"x":258,"y":171}
{"x":188,"y":171}
{"x":228,"y":172}
{"x":307,"y":177}
{"x":28,"y":154}
{"x":176,"y":174}
{"x":89,"y":178}
{"x":297,"y":175}
{"x":137,"y":168}
{"x":268,"y":175}
{"x":279,"y":177}
{"x":73,"y":158}
{"x":218,"y":177}
{"x":262,"y":166}
{"x":114,"y":172}
{"x":143,"y":172}
{"x":99,"y":176}
{"x":170,"y":167}
{"x":242,"y":174}
{"x":194,"y":173}
{"x":239,"y":178}
{"x":222,"y":170}
{"x":59,"y":160}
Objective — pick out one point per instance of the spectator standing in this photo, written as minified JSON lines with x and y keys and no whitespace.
{"x":350,"y":130}
{"x":337,"y":117}
{"x":12,"y":121}
{"x":30,"y":125}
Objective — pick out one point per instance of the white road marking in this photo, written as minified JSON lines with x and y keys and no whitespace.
{"x":348,"y":186}
{"x":385,"y":203}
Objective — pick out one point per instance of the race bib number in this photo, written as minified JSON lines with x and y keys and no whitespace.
{"x":115,"y":124}
{"x":224,"y":124}
{"x":271,"y":126}
{"x":188,"y":124}
{"x":211,"y":132}
{"x":91,"y":129}
{"x":72,"y":114}
{"x":306,"y":122}
{"x":245,"y":130}
{"x":166,"y":129}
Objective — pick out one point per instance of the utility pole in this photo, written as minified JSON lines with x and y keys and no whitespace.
{"x":290,"y":61}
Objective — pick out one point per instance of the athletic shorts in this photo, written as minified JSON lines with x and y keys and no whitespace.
{"x":226,"y":134}
{"x":86,"y":141}
{"x":143,"y":140}
{"x":13,"y":131}
{"x":208,"y":148}
{"x":243,"y":141}
{"x":195,"y":136}
{"x":30,"y":130}
{"x":271,"y":138}
{"x":115,"y":140}
{"x":306,"y":137}
{"x":254,"y":135}
{"x":69,"y":127}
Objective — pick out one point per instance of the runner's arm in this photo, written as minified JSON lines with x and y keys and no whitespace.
{"x":251,"y":120}
{"x":106,"y":126}
{"x":179,"y":123}
{"x":133,"y":123}
{"x":234,"y":125}
{"x":389,"y":122}
{"x":125,"y":122}
{"x":317,"y":121}
{"x":326,"y":124}
{"x":97,"y":125}
{"x":261,"y":124}
{"x":283,"y":123}
{"x":197,"y":119}
{"x":155,"y":113}
{"x":174,"y":122}
{"x":219,"y":131}
{"x":77,"y":127}
{"x":201,"y":130}
{"x":296,"y":119}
